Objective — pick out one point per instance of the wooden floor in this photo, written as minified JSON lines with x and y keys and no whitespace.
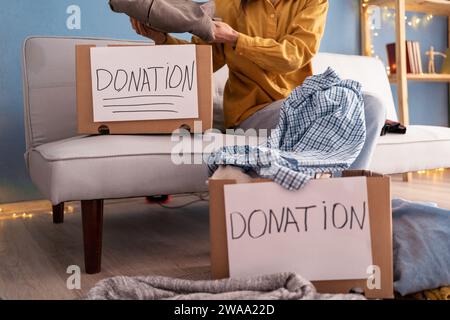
{"x":431,"y":186}
{"x":139,"y":239}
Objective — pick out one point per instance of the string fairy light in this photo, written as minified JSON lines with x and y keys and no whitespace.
{"x":8,"y":214}
{"x":388,"y":16}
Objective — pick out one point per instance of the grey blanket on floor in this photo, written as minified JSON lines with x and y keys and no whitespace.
{"x":421,"y":246}
{"x":282,"y":286}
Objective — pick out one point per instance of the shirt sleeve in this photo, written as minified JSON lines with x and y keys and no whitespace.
{"x":294,"y":50}
{"x":217,"y":49}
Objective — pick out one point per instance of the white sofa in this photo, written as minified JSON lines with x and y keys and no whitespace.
{"x":68,"y":167}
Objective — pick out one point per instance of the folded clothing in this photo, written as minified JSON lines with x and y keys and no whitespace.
{"x":321,"y":130}
{"x":421,"y":246}
{"x":171,"y":15}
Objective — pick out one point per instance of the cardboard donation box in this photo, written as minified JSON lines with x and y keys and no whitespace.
{"x":335,"y":232}
{"x":143,"y":89}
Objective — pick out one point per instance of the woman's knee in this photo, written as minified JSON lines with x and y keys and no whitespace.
{"x":375,"y":109}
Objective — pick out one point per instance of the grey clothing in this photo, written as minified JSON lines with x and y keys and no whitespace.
{"x":171,"y":15}
{"x":283,"y":286}
{"x":421,"y":246}
{"x":375,"y":116}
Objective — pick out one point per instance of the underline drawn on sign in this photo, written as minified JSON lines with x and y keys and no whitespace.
{"x":144,"y":83}
{"x":146,"y":96}
{"x":138,"y":105}
{"x":143,"y":111}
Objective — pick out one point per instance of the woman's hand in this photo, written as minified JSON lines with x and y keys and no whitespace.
{"x":148,"y":32}
{"x":223,"y":33}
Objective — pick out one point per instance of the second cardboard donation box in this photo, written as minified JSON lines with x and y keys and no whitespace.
{"x":335,"y":232}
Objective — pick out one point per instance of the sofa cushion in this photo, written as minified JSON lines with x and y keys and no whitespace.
{"x":116,"y":166}
{"x":108,"y":167}
{"x":421,"y":148}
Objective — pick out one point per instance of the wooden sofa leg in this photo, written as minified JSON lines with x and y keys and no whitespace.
{"x":92,"y":216}
{"x":58,"y":213}
{"x":407,"y":177}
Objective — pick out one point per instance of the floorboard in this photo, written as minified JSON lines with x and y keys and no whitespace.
{"x":139,"y":239}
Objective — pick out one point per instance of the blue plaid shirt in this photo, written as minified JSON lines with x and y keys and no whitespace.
{"x":321,"y":130}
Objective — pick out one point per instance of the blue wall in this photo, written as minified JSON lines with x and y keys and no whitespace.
{"x":48,"y":17}
{"x":342,"y":34}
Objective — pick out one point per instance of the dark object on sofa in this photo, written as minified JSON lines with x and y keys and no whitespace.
{"x":171,"y":15}
{"x":393,"y":127}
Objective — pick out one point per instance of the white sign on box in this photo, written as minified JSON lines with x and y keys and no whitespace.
{"x":144,"y":83}
{"x":321,"y":232}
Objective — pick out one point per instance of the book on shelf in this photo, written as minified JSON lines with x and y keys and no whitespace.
{"x":419,"y":57}
{"x":413,"y":57}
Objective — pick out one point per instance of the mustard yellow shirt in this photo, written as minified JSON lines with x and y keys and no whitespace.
{"x":273,"y":53}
